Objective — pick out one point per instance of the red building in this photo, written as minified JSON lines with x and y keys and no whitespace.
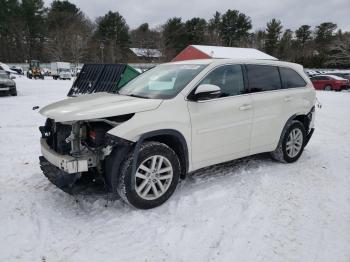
{"x":203,"y":52}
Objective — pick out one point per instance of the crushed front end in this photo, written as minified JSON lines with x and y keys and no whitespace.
{"x":74,"y":154}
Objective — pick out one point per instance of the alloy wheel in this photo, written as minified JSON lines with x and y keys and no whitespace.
{"x":294,"y":142}
{"x":153,"y":177}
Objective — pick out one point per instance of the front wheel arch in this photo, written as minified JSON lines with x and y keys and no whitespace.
{"x":123,"y":147}
{"x":172,"y":138}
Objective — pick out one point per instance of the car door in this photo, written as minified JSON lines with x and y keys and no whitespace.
{"x":221,"y":127}
{"x":298,"y":96}
{"x":268,"y":103}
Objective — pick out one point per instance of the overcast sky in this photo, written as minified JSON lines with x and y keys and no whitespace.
{"x":292,"y":13}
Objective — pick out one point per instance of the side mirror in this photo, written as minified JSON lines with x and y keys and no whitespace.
{"x":206,"y":91}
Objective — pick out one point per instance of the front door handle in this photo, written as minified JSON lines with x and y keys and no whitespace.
{"x":288,"y":98}
{"x":245,"y":107}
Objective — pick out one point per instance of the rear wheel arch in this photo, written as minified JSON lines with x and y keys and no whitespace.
{"x":292,"y":143}
{"x":302,"y":118}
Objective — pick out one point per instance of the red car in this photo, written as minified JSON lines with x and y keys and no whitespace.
{"x":329,"y":82}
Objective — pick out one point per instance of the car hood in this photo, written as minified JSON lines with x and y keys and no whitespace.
{"x":98,"y":105}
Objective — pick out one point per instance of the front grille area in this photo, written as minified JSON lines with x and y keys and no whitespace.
{"x":56,"y":134}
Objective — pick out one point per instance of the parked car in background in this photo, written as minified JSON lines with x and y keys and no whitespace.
{"x":7,"y":85}
{"x":174,"y":119}
{"x":6,"y":68}
{"x":46,"y":71}
{"x":311,"y":73}
{"x":329,"y":82}
{"x":343,"y":75}
{"x":17,"y":69}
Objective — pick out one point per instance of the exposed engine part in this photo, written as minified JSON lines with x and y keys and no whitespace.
{"x":84,"y":142}
{"x":74,"y":139}
{"x":76,"y":155}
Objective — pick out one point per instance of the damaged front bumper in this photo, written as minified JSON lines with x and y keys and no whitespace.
{"x":72,"y":183}
{"x":57,"y":176}
{"x":68,"y":164}
{"x":66,"y":172}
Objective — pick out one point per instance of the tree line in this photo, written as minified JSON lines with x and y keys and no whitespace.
{"x":62,"y":32}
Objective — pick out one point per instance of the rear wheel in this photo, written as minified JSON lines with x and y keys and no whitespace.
{"x":156,"y":178}
{"x":328,"y":88}
{"x":292,"y":143}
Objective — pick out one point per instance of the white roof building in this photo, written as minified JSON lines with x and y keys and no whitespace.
{"x":204,"y":52}
{"x":146,"y":52}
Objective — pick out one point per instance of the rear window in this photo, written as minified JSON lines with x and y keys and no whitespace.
{"x":263,"y":78}
{"x":291,"y":79}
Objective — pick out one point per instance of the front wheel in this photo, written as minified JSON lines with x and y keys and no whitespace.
{"x":156,"y":178}
{"x":292,"y":143}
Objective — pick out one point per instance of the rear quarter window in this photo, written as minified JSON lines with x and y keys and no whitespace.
{"x":291,"y":79}
{"x":263,"y":78}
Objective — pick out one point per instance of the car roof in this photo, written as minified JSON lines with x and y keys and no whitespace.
{"x":239,"y":61}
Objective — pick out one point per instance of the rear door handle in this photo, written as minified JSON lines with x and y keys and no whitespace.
{"x":245,"y":107}
{"x":288,"y":98}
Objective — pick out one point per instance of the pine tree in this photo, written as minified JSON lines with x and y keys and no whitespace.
{"x":234,"y":28}
{"x":273,"y":32}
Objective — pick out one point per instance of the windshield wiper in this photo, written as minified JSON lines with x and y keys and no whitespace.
{"x":145,"y":97}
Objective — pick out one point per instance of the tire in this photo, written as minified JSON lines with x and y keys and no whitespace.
{"x":328,"y":88}
{"x":14,"y":93}
{"x":290,"y":155}
{"x":131,"y":188}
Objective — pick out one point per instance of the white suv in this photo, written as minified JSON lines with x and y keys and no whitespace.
{"x":174,"y":119}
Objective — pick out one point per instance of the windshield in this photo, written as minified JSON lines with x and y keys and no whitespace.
{"x":162,"y":82}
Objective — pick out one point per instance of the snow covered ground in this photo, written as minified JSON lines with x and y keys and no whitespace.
{"x":252,"y":209}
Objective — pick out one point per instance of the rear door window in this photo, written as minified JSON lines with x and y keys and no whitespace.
{"x":291,"y":79}
{"x":263,"y":78}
